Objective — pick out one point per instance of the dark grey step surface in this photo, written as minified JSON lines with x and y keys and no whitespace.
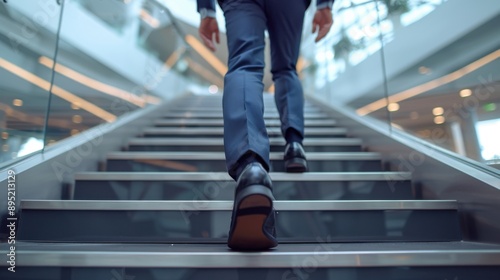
{"x":218,"y":115}
{"x":222,"y":176}
{"x":269,"y":108}
{"x":215,"y":161}
{"x":360,"y":156}
{"x":304,"y":269}
{"x":216,"y":144}
{"x":205,"y":221}
{"x":218,"y":185}
{"x":202,"y":132}
{"x":219,"y":123}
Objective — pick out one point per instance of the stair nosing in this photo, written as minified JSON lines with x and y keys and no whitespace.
{"x":223,"y":176}
{"x":220,"y":155}
{"x":206,"y":260}
{"x":226,"y":205}
{"x":220,"y":130}
{"x":218,"y":141}
{"x":192,"y":121}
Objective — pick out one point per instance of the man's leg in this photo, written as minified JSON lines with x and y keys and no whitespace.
{"x":245,"y":134}
{"x":245,"y":137}
{"x":285,"y":30}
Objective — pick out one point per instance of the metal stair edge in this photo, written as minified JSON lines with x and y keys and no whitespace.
{"x":223,"y":176}
{"x":220,"y":155}
{"x":226,"y":205}
{"x":329,"y":255}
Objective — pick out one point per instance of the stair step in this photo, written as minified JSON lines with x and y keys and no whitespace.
{"x":227,"y":205}
{"x":162,"y":210}
{"x":206,"y":221}
{"x":268,"y":108}
{"x":203,"y":132}
{"x":218,"y":115}
{"x":220,"y":155}
{"x":215,"y":161}
{"x":216,"y":144}
{"x":218,"y":185}
{"x":222,"y":176}
{"x":300,"y":258}
{"x":220,"y":122}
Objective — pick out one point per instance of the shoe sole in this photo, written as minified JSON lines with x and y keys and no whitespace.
{"x":296,"y":165}
{"x":248,"y":233}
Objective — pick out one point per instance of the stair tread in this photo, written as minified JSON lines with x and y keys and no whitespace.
{"x":220,"y":130}
{"x":223,"y":176}
{"x":220,"y":122}
{"x":286,"y":255}
{"x":219,"y":141}
{"x":221,"y":156}
{"x":226,"y":205}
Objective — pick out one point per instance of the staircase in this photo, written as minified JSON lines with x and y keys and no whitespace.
{"x":161,"y":208}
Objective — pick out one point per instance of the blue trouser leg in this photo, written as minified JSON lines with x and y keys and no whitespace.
{"x":246,"y":20}
{"x":243,"y":106}
{"x":284,"y":24}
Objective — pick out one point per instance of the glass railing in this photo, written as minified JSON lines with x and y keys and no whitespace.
{"x":27,"y":32}
{"x":68,"y":66}
{"x":430,"y":68}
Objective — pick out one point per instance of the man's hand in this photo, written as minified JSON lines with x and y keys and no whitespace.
{"x":322,"y":23}
{"x":208,"y":30}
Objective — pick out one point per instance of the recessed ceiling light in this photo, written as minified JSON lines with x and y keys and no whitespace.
{"x":213,"y":89}
{"x":17,"y":102}
{"x":370,"y":31}
{"x":426,"y":133}
{"x":5,"y":147}
{"x":5,"y":135}
{"x":424,"y":70}
{"x":393,"y":107}
{"x":465,"y":92}
{"x":437,"y":111}
{"x":439,"y":120}
{"x":77,"y":119}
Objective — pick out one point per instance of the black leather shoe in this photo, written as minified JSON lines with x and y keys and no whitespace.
{"x":295,"y":158}
{"x":252,"y":223}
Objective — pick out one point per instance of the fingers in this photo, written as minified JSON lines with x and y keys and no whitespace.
{"x":322,"y":23}
{"x":206,"y":38}
{"x":209,"y":32}
{"x":323,"y":31}
{"x":208,"y":42}
{"x":315,"y":27}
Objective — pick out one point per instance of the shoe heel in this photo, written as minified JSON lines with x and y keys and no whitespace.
{"x":255,"y":205}
{"x":296,"y":165}
{"x":256,"y":191}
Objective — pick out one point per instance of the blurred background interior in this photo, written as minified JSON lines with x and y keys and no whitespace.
{"x":430,"y":68}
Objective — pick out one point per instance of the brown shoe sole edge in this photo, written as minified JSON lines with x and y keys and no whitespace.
{"x":296,"y":165}
{"x":248,"y":232}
